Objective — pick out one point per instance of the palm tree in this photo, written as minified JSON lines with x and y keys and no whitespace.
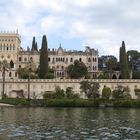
{"x":3,"y":67}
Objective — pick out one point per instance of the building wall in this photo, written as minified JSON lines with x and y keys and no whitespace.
{"x":60,"y":59}
{"x":38,"y":87}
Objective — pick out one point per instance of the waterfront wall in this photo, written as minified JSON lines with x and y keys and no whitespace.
{"x":19,"y":87}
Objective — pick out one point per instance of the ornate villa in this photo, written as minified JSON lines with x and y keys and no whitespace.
{"x":59,"y":59}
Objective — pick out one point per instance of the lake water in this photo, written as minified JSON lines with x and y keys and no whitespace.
{"x":69,"y":124}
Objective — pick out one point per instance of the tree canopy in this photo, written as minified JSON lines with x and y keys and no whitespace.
{"x":124,"y":62}
{"x":43,"y":67}
{"x":91,"y":89}
{"x":34,"y":45}
{"x":77,"y":70}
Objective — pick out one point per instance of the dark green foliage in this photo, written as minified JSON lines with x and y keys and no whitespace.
{"x":121,"y":92}
{"x":77,"y":70}
{"x":106,"y":93}
{"x":59,"y":92}
{"x":70,"y":93}
{"x":133,"y":54}
{"x":43,"y":67}
{"x":111,"y":63}
{"x":91,"y":89}
{"x":34,"y":45}
{"x":24,"y":74}
{"x":15,"y":101}
{"x":50,"y":74}
{"x":136,"y":74}
{"x":65,"y":102}
{"x":105,"y":75}
{"x":107,"y":62}
{"x":137,"y":93}
{"x":124,"y":62}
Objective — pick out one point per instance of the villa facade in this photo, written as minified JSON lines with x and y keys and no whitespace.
{"x":59,"y":59}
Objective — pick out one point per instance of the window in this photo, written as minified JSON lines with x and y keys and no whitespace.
{"x":89,"y":60}
{"x":63,"y":59}
{"x":80,"y":59}
{"x":49,"y":59}
{"x":19,"y":59}
{"x":15,"y":74}
{"x":10,"y":74}
{"x":11,"y":64}
{"x":71,"y":59}
{"x":25,"y":59}
{"x":95,"y":59}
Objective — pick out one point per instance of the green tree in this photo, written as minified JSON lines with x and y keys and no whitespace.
{"x":136,"y":74}
{"x":121,"y":92}
{"x":50,"y":74}
{"x":124,"y":62}
{"x":43,"y":67}
{"x":34,"y":45}
{"x":4,"y":66}
{"x":111,"y":63}
{"x":91,"y":89}
{"x":77,"y":70}
{"x":59,"y":92}
{"x":106,"y":93}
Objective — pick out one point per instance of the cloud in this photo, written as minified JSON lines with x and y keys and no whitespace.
{"x":101,"y":24}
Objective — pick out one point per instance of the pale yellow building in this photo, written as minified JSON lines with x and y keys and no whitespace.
{"x":59,"y":59}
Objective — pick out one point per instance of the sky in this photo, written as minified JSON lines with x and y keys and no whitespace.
{"x":100,"y":24}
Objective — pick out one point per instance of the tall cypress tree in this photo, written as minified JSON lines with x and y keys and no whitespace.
{"x":33,"y":44}
{"x":43,"y":68}
{"x":124,"y":62}
{"x":36,"y":47}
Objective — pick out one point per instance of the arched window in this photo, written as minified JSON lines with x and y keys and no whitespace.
{"x":49,"y":59}
{"x":11,"y":64}
{"x":15,"y":74}
{"x":19,"y":59}
{"x":71,"y":59}
{"x":10,"y":74}
{"x":95,"y":68}
{"x":80,"y":59}
{"x":93,"y":60}
{"x":25,"y":59}
{"x":89,"y":60}
{"x":31,"y":59}
{"x":63,"y":59}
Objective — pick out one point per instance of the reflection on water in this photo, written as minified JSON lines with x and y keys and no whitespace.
{"x":69,"y":124}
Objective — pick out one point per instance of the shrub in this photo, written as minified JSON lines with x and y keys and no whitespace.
{"x":106,"y":93}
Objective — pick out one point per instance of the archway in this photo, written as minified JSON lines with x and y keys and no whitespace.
{"x":114,"y":76}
